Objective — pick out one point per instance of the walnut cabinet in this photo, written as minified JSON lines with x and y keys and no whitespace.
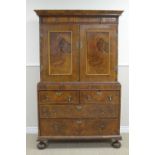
{"x":78,"y":92}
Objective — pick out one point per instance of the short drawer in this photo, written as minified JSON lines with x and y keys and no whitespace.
{"x":105,"y":97}
{"x":79,"y":111}
{"x":49,"y":97}
{"x":78,"y":127}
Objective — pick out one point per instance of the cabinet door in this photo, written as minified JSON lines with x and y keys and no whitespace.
{"x":59,"y":52}
{"x":98,"y":52}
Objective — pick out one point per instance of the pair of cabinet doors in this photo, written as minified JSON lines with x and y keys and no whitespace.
{"x":74,"y":52}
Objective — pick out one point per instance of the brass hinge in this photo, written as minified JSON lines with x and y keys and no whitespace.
{"x":41,"y":68}
{"x":116,"y":68}
{"x":79,"y":44}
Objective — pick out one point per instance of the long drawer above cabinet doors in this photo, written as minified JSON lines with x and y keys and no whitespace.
{"x":105,"y":97}
{"x":61,"y":97}
{"x":79,"y":111}
{"x":78,"y":127}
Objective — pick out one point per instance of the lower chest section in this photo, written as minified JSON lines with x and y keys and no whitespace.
{"x":81,"y":112}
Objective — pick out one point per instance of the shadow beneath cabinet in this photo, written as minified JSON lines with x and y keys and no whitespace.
{"x":79,"y":144}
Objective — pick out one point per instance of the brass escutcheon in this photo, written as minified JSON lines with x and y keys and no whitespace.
{"x":102,"y":126}
{"x":99,"y":93}
{"x":58,"y":93}
{"x":78,"y":121}
{"x":69,"y":98}
{"x":78,"y":107}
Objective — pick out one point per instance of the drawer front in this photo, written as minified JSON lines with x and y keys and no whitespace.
{"x":49,"y":97}
{"x":78,"y":127}
{"x":105,"y":97}
{"x":79,"y":111}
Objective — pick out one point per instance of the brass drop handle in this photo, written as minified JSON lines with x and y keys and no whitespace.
{"x":58,"y":93}
{"x":47,"y":98}
{"x":103,"y":112}
{"x":56,"y":127}
{"x":110,"y":98}
{"x":69,"y":98}
{"x":102,"y":126}
{"x":78,"y":121}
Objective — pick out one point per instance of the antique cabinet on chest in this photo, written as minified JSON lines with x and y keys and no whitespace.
{"x":78,"y":92}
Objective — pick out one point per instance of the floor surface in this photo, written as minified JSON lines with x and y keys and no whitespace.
{"x":76,"y":148}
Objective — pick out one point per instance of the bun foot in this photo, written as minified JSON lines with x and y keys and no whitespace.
{"x":116,"y":144}
{"x":41,"y":145}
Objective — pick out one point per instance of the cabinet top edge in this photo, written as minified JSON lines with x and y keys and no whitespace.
{"x":81,"y":13}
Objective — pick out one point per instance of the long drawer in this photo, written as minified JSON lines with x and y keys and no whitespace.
{"x":105,"y":97}
{"x":79,"y":111}
{"x":52,"y":97}
{"x":78,"y":127}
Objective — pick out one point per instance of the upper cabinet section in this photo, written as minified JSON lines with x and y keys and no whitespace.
{"x":98,"y":52}
{"x":78,"y":45}
{"x":59,"y":53}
